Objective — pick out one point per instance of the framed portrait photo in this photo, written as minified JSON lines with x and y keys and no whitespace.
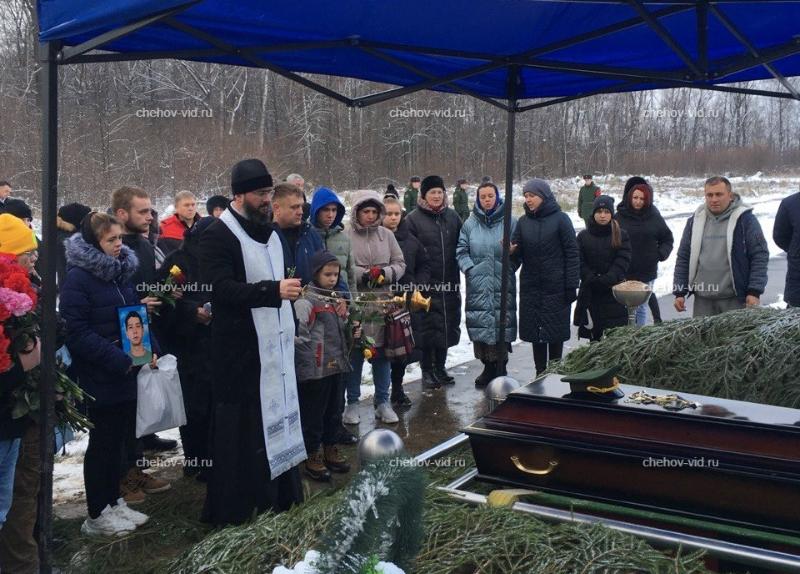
{"x":134,"y":329}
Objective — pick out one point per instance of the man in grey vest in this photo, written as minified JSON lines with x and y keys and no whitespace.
{"x":723,"y":256}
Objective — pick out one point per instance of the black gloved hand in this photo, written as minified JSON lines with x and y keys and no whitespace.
{"x":570,"y":295}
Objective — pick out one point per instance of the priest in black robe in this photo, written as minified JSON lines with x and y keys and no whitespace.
{"x":256,"y":441}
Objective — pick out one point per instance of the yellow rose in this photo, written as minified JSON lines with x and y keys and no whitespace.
{"x":367,"y":354}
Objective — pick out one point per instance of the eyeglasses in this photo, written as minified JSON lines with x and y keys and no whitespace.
{"x":262,"y":193}
{"x":30,"y":254}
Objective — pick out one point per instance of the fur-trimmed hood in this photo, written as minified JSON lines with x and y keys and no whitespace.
{"x":87,"y":257}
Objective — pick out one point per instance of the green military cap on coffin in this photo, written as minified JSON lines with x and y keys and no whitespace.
{"x":597,"y":384}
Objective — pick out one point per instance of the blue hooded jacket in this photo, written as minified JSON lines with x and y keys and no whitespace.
{"x":322,"y":197}
{"x":334,"y":238}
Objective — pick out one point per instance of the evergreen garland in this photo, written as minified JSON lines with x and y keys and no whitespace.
{"x":381,"y":516}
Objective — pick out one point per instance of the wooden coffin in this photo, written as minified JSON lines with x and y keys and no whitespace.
{"x":729,"y":461}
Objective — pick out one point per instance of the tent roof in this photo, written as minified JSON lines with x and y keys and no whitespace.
{"x":559,"y":48}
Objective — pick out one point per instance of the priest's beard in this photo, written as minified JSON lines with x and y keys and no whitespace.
{"x":261,"y":216}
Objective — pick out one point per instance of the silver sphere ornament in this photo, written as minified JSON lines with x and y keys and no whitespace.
{"x":379,"y":443}
{"x":498,"y":388}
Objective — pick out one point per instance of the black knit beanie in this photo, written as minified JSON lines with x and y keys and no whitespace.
{"x":249,"y":175}
{"x":429,"y":183}
{"x":603,"y":202}
{"x":73,"y":213}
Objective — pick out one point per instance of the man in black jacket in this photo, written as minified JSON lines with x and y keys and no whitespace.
{"x":255,"y":450}
{"x":132,"y":207}
{"x":786,"y":233}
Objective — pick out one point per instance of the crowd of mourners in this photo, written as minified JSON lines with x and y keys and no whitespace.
{"x":275,"y":306}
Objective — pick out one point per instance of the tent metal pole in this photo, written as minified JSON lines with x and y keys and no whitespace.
{"x":736,"y":33}
{"x":662,"y":33}
{"x":116,"y":33}
{"x":432,"y":81}
{"x":766,"y":56}
{"x":495,"y":63}
{"x":513,"y":85}
{"x":248,"y":56}
{"x":49,"y":103}
{"x":702,"y":36}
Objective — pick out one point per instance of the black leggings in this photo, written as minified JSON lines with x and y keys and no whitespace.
{"x":102,"y":464}
{"x":540,"y":354}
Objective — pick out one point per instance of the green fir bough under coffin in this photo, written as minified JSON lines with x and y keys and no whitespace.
{"x":747,"y":355}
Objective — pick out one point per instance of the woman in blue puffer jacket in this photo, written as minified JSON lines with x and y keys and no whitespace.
{"x":100,"y":268}
{"x":480,"y":257}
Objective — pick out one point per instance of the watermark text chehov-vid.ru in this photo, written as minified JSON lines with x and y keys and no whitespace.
{"x":445,"y":462}
{"x":161,"y":113}
{"x":674,"y":114}
{"x":423,"y":113}
{"x":664,"y":462}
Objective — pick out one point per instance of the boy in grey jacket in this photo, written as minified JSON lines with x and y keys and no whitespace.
{"x":321,"y":358}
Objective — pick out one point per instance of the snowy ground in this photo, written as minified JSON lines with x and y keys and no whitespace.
{"x":676,"y":198}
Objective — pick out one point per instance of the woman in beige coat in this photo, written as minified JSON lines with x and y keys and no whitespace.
{"x":378,"y":261}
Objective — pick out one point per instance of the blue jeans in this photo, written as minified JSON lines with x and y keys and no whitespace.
{"x":9,"y":451}
{"x":381,"y":377}
{"x":641,"y":311}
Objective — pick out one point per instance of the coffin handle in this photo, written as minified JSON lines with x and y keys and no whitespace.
{"x":550,"y":468}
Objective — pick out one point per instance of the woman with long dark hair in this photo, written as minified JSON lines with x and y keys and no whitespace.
{"x":651,"y":241}
{"x":605,"y":251}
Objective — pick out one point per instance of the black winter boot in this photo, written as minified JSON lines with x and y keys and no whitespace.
{"x":438,"y":367}
{"x":500,"y":369}
{"x":399,"y":398}
{"x":486,"y":375}
{"x":429,"y":378}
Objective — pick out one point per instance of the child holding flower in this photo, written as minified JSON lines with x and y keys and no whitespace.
{"x":321,"y":361}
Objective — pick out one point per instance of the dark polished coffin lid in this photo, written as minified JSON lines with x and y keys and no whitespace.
{"x":750,"y":452}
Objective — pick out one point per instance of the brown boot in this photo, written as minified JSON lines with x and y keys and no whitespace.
{"x":130,"y":488}
{"x":150,"y":484}
{"x":334,"y":459}
{"x":315,"y":467}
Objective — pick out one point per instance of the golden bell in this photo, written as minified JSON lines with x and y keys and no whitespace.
{"x":419,"y":303}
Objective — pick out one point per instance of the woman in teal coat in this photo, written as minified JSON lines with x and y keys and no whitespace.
{"x":480,"y":257}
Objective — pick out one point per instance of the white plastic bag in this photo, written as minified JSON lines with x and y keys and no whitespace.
{"x":159,"y":403}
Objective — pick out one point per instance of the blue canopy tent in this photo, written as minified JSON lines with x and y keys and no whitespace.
{"x":499,"y":51}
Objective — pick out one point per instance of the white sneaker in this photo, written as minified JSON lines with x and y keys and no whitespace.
{"x":385,"y":413}
{"x":125,"y":511}
{"x":108,"y":523}
{"x":351,"y":416}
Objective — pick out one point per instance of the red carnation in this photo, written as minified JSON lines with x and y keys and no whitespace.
{"x":5,"y":358}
